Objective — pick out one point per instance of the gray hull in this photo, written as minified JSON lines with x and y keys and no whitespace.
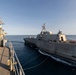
{"x":62,"y":52}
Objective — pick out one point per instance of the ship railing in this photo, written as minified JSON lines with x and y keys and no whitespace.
{"x":15,"y":66}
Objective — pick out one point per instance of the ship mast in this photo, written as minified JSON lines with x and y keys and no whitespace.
{"x":2,"y":33}
{"x":43,"y":28}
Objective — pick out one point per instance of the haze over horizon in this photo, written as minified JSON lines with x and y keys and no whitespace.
{"x":26,"y":17}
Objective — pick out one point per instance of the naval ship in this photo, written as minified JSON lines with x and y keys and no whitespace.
{"x":9,"y":62}
{"x":57,"y":46}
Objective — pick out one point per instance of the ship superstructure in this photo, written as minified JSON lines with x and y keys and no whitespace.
{"x":49,"y":36}
{"x":2,"y":35}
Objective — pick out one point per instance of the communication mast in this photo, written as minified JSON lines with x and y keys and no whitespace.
{"x":43,"y":28}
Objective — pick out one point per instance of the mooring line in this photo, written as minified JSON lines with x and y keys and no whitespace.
{"x":31,"y":60}
{"x":36,"y":65}
{"x":17,"y":41}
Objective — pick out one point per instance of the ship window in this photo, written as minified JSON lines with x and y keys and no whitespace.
{"x":61,"y":38}
{"x":54,"y":41}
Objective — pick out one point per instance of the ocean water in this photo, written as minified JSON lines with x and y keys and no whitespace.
{"x":35,"y":63}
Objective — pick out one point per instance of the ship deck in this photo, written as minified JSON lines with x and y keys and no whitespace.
{"x":4,"y":55}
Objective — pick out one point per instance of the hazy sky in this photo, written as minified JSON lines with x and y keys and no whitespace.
{"x":22,"y":17}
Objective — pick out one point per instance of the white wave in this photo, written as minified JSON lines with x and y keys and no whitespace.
{"x":56,"y":58}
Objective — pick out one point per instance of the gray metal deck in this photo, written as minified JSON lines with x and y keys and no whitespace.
{"x":4,"y":55}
